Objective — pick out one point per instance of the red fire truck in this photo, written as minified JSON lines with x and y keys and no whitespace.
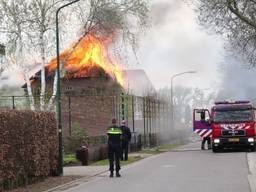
{"x":230,"y":124}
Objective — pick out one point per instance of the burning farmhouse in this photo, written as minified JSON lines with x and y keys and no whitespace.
{"x":90,"y":84}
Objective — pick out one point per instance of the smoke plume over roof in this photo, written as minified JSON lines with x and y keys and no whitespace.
{"x":238,"y":81}
{"x":175,"y":44}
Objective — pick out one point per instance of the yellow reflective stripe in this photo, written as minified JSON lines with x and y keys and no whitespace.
{"x":114,"y":131}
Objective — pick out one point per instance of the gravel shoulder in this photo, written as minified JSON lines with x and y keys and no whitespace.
{"x":48,"y":183}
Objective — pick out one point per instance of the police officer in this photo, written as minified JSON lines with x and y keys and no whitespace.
{"x":126,"y":138}
{"x":114,"y":148}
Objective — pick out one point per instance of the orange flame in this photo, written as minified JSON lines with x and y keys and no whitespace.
{"x":91,"y":52}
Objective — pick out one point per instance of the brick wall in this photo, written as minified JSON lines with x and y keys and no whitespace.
{"x":92,"y":104}
{"x":89,"y":103}
{"x":93,"y":113}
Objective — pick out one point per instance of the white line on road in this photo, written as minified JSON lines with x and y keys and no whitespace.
{"x":167,"y":166}
{"x":251,"y":158}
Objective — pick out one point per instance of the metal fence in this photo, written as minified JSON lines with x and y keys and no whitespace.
{"x":146,"y":116}
{"x":14,"y":102}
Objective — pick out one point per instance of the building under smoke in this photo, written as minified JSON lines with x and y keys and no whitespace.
{"x":137,"y":82}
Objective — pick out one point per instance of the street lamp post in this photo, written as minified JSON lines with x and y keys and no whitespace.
{"x":58,"y":94}
{"x":172,"y":106}
{"x":2,"y":49}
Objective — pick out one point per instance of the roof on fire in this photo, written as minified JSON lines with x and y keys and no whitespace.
{"x":136,"y":81}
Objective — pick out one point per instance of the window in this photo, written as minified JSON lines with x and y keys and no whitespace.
{"x":69,"y":88}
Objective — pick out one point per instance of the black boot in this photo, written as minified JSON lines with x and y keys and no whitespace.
{"x":202,"y":147}
{"x":111,"y":174}
{"x":118,"y":174}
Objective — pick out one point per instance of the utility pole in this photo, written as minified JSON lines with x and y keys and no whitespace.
{"x":2,"y":49}
{"x":2,"y":53}
{"x":58,"y":95}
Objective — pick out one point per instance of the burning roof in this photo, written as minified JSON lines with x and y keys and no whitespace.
{"x":88,"y":58}
{"x":90,"y":53}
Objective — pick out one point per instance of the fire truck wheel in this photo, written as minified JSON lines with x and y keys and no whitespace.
{"x":252,"y":149}
{"x":215,"y":149}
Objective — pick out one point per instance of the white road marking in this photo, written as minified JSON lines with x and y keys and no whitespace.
{"x":167,"y":166}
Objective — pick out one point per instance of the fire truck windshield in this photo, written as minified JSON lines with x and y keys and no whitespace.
{"x":223,"y":116}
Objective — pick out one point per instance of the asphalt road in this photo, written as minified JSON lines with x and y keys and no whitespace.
{"x":185,"y":170}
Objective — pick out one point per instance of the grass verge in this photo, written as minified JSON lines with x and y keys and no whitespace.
{"x":168,"y":147}
{"x":161,"y":148}
{"x":132,"y":158}
{"x":69,"y":159}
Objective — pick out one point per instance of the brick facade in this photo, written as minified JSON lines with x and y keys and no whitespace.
{"x":89,"y":102}
{"x":93,"y":113}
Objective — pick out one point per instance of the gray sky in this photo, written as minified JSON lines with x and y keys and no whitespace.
{"x":176,"y":43}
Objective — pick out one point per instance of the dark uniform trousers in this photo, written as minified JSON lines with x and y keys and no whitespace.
{"x":114,"y":147}
{"x":114,"y":153}
{"x":208,"y":139}
{"x":126,"y":138}
{"x":125,"y":146}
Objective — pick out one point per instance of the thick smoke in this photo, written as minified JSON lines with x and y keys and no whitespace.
{"x":176,"y":43}
{"x":238,"y":81}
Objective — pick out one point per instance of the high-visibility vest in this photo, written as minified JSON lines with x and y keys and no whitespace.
{"x":114,"y":131}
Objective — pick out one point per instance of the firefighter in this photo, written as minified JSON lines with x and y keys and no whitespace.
{"x":207,"y":138}
{"x":126,"y":138}
{"x":114,"y":148}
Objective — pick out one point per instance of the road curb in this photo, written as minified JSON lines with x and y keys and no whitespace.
{"x":252,"y":179}
{"x":75,"y":182}
{"x":251,"y":159}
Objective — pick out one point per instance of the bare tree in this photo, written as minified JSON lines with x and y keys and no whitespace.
{"x":185,"y":100}
{"x":15,"y":12}
{"x":26,"y":26}
{"x":42,"y":26}
{"x":182,"y":98}
{"x":236,"y":20}
{"x":201,"y":99}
